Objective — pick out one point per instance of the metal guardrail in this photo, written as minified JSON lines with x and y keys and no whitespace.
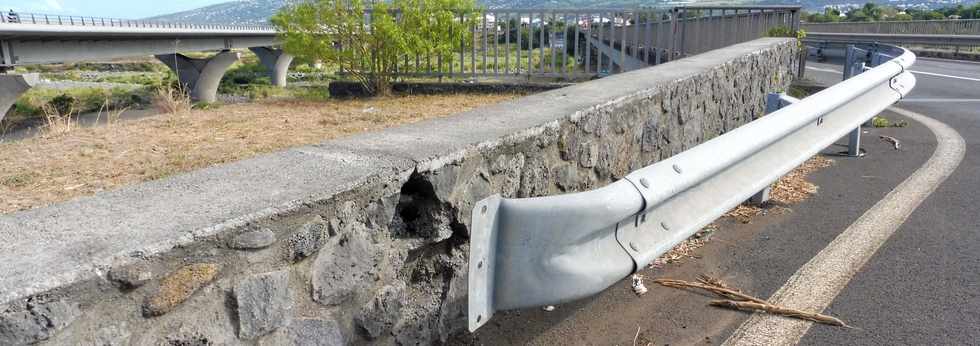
{"x":955,"y":34}
{"x":582,"y":43}
{"x":914,"y":27}
{"x":548,"y":250}
{"x":903,"y":39}
{"x":51,"y":19}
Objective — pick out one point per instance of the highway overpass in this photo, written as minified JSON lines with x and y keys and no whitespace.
{"x":30,"y":39}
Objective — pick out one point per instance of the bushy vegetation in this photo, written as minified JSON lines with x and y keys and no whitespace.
{"x":143,"y":66}
{"x":38,"y":102}
{"x":241,"y":76}
{"x":152,"y":79}
{"x":872,"y":12}
{"x":369,"y":47}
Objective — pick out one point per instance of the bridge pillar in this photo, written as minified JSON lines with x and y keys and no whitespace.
{"x":200,"y":76}
{"x":11,"y":87}
{"x":276,"y":61}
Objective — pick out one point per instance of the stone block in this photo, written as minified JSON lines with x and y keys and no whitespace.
{"x":37,"y":323}
{"x":307,"y":240}
{"x":265,"y":304}
{"x":307,"y":332}
{"x":343,"y":268}
{"x":380,"y":315}
{"x":252,"y":240}
{"x":178,"y":287}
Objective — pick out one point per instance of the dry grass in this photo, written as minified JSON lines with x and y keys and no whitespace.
{"x":171,"y":101}
{"x":793,"y":187}
{"x":50,"y":169}
{"x":790,"y":189}
{"x":686,"y":249}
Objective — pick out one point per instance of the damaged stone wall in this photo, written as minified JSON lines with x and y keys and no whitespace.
{"x":383,"y":260}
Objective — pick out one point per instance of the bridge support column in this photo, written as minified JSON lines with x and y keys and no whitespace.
{"x":11,"y":87}
{"x":200,"y":76}
{"x":276,"y":61}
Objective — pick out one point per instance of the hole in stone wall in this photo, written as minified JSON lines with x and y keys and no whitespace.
{"x":415,"y":207}
{"x":420,"y":213}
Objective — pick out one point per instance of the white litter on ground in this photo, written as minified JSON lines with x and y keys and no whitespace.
{"x":638,"y":287}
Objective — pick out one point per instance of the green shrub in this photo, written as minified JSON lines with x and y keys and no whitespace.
{"x":313,"y":93}
{"x":239,"y":77}
{"x":206,"y":105}
{"x":880,"y":121}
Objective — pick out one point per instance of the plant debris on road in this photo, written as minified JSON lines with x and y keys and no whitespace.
{"x":735,"y":299}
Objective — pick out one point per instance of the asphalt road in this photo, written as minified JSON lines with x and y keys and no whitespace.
{"x":921,"y":287}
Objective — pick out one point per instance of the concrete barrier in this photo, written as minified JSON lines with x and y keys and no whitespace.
{"x":356,"y":240}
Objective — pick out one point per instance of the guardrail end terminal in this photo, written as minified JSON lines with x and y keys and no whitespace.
{"x":483,"y":235}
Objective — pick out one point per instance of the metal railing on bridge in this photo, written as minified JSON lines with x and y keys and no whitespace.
{"x":582,"y":43}
{"x":952,"y":34}
{"x":52,"y":19}
{"x":915,"y":27}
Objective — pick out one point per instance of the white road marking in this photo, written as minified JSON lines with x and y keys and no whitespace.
{"x":945,"y":76}
{"x":941,"y":100}
{"x":822,"y":69}
{"x":916,"y":72}
{"x":814,"y":286}
{"x":948,"y":61}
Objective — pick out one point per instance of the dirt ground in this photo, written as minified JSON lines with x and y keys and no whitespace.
{"x":61,"y":165}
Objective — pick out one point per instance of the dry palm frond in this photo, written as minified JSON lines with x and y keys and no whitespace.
{"x":720,"y":291}
{"x":735,"y":299}
{"x":781,"y":311}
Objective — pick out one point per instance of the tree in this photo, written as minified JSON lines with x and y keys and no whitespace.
{"x":368,"y":43}
{"x":868,"y":13}
{"x":829,"y":15}
{"x":924,"y":14}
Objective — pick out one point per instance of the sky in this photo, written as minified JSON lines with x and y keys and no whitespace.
{"x":130,"y":9}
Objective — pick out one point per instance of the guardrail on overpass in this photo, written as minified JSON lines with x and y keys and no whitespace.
{"x":914,"y":27}
{"x":52,"y":19}
{"x":935,"y":40}
{"x":548,"y":250}
{"x":30,"y":38}
{"x":953,"y":34}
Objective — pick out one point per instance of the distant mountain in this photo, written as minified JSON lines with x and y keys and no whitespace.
{"x":235,"y":12}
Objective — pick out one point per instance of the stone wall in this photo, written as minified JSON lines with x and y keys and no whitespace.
{"x":361,"y":240}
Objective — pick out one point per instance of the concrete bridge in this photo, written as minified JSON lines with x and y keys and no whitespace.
{"x":28,"y":39}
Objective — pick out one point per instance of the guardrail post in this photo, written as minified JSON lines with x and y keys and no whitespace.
{"x":774,"y":101}
{"x":683,"y":32}
{"x":851,"y":68}
{"x":673,"y":34}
